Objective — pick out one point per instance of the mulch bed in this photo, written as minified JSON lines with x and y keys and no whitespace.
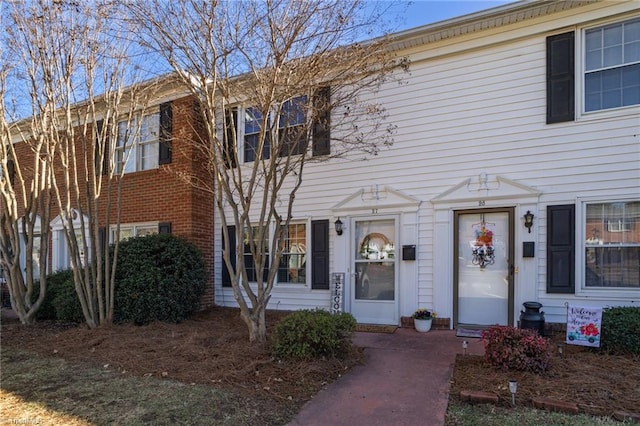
{"x":599,"y":384}
{"x":213,"y":348}
{"x":210,"y":348}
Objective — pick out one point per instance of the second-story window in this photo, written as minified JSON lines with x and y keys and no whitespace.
{"x":291,"y":129}
{"x":253,"y":120}
{"x":138,"y":144}
{"x":612,"y":66}
{"x":291,"y":126}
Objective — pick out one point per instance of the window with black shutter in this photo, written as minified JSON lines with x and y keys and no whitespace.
{"x":560,"y":78}
{"x":561,"y":249}
{"x":320,"y":254}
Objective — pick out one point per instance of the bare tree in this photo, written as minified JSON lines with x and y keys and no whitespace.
{"x":76,"y":63}
{"x":25,"y":206}
{"x":297,"y":69}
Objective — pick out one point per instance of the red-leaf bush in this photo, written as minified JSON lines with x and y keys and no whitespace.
{"x":515,"y":348}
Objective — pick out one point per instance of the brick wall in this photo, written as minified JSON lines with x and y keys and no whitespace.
{"x":164,"y":194}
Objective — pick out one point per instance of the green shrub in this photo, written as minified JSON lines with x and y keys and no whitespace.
{"x":158,"y":277}
{"x":314,"y":333}
{"x":66,"y":303}
{"x":621,"y":330}
{"x":61,"y":301}
{"x":515,"y":348}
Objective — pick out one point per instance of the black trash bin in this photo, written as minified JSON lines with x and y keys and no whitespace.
{"x":532,"y":318}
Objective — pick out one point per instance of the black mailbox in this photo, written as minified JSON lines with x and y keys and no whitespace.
{"x":409,"y":252}
{"x":528,"y":249}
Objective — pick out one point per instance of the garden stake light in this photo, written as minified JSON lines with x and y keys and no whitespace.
{"x":465,"y":345}
{"x":513,"y":388}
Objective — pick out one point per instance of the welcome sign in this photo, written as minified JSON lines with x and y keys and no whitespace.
{"x":337,"y":290}
{"x":584,"y":326}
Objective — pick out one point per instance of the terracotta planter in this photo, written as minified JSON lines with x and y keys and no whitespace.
{"x":422,"y":325}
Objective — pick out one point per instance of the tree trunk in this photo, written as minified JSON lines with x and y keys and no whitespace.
{"x":256,"y":323}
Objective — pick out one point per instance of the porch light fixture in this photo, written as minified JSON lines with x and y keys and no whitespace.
{"x":528,"y":220}
{"x":338,"y":225}
{"x":513,"y":388}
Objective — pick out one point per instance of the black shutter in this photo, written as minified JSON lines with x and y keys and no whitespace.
{"x":100,"y":138}
{"x":230,"y":127}
{"x":226,"y":276}
{"x":11,"y":171}
{"x":164,"y":228}
{"x":561,"y":249}
{"x":102,"y":239}
{"x":320,"y":255}
{"x":166,"y":132}
{"x":560,"y":78}
{"x":322,"y":126}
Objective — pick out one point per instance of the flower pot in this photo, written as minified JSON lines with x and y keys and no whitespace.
{"x":422,"y":325}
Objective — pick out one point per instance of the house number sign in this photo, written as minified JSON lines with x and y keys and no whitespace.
{"x":337,"y":291}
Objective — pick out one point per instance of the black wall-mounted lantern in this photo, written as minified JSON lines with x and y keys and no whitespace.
{"x":528,"y":220}
{"x":338,"y":225}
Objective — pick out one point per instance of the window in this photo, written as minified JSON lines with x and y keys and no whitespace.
{"x":61,"y":255}
{"x":137,"y":145}
{"x":291,"y":126}
{"x":293,"y":263}
{"x":135,"y":230}
{"x":253,"y":120}
{"x":297,"y":252}
{"x":146,"y":144}
{"x":248,"y":256}
{"x":612,"y":66}
{"x":612,"y":245}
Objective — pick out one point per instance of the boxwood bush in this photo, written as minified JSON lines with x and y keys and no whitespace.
{"x":621,"y":330}
{"x":158,"y":277}
{"x":307,"y":334}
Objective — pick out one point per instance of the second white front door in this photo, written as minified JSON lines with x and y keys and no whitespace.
{"x":374,"y":293}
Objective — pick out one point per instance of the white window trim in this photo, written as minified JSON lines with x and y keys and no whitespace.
{"x":133,"y":226}
{"x":307,"y":281}
{"x":273,"y":118}
{"x":579,"y":61}
{"x":60,"y":250}
{"x":136,"y":155}
{"x":581,"y":288}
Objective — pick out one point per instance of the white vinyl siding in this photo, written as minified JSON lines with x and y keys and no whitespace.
{"x":473,"y":104}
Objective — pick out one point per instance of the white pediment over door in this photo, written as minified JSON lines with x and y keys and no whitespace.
{"x":486,"y":187}
{"x":379,"y":198}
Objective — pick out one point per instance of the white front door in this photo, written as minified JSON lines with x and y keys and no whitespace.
{"x":374,"y":294}
{"x":484,"y":271}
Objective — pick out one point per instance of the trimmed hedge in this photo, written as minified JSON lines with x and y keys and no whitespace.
{"x":307,"y":334}
{"x":621,"y":330}
{"x":159,"y":277}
